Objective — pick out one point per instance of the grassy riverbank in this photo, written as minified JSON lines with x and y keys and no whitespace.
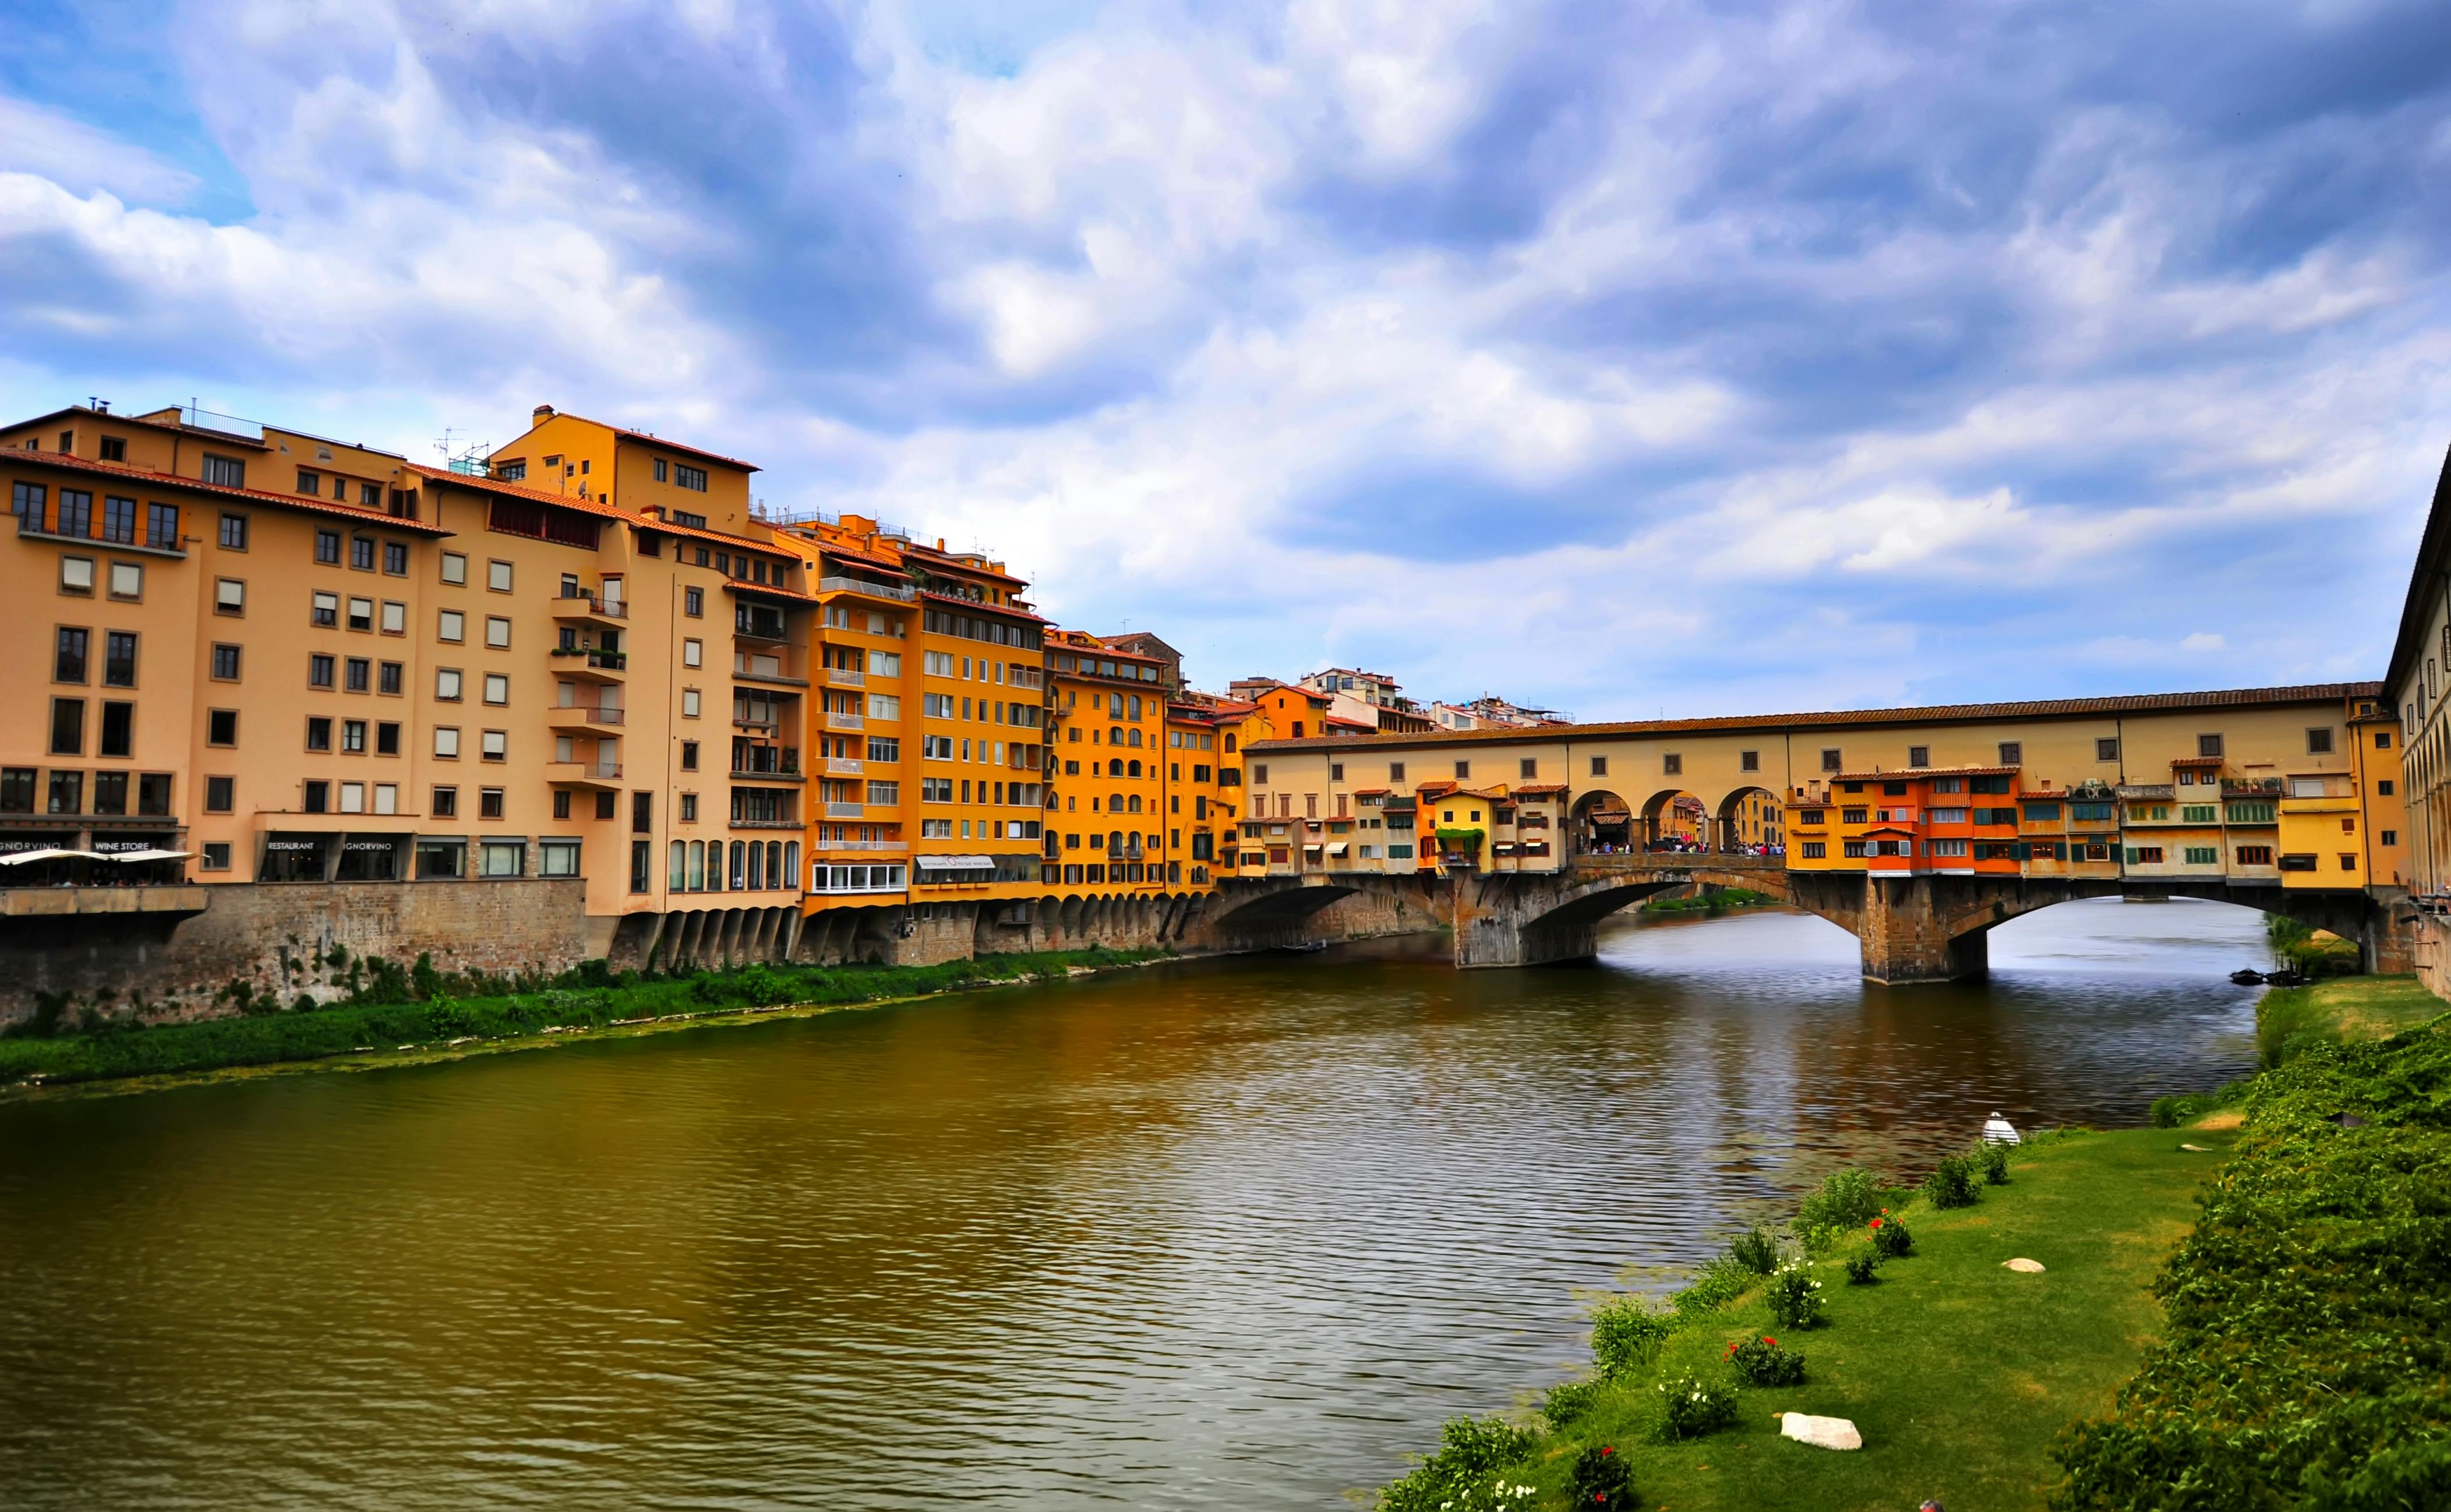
{"x":1713,"y":902}
{"x":1957,"y":1372}
{"x":589,"y":1001}
{"x":2342,"y":1010}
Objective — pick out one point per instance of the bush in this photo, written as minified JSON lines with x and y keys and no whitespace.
{"x":2308,"y":1345}
{"x":1695,"y":1407}
{"x":1845,"y":1199}
{"x":1861,"y":1269}
{"x":1627,"y":1335}
{"x":1719,"y":1282}
{"x":1762,"y":1363}
{"x":1891,"y":1240}
{"x":1568,"y":1401}
{"x":1994,"y":1160}
{"x":2185,"y":1108}
{"x":1794,"y":1298}
{"x":1464,"y":1473}
{"x":1952,"y":1183}
{"x":1601,"y":1481}
{"x":1757,"y":1249}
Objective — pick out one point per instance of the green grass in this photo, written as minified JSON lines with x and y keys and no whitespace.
{"x":1715,"y":901}
{"x":1958,"y":1373}
{"x":583,"y":1002}
{"x":2346,"y":1011}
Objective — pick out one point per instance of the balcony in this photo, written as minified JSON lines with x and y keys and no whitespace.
{"x":765,"y":824}
{"x":579,"y":608}
{"x":897,"y":592}
{"x":845,"y":766}
{"x":845,"y":677}
{"x":590,"y":775}
{"x":846,"y":811}
{"x":586,"y":664}
{"x":584,"y":718}
{"x":837,"y":719}
{"x":860,"y":845}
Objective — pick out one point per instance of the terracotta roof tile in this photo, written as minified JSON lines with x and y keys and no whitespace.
{"x":139,"y":475}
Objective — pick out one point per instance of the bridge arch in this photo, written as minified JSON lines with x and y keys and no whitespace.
{"x":1750,"y":817}
{"x":1676,"y":814}
{"x":1602,"y":824}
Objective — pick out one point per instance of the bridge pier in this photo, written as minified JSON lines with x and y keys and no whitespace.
{"x":1905,"y":929}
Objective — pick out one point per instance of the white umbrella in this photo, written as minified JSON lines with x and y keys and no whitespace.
{"x":148,"y":855}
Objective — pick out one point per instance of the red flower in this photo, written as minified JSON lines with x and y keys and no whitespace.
{"x":1767,"y":1340}
{"x":1876,"y":1223}
{"x":1607,"y":1449}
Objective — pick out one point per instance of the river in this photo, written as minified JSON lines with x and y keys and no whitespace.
{"x":1230,"y":1235}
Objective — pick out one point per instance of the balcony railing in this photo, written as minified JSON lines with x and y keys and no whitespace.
{"x":861,"y":845}
{"x":845,"y":766}
{"x":846,"y":678}
{"x":845,"y":811}
{"x":590,"y":713}
{"x":837,"y":719}
{"x":899,"y":592}
{"x":574,"y":600}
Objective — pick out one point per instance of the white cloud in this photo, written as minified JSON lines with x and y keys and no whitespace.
{"x":46,"y":145}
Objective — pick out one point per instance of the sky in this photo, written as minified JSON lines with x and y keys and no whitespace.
{"x":1628,"y":359}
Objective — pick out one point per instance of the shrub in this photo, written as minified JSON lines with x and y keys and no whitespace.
{"x":1794,"y":1298}
{"x":1627,"y":1335}
{"x":1719,"y":1282}
{"x":2185,"y":1108}
{"x":1599,"y":1480}
{"x":1762,"y":1363}
{"x":1845,"y":1199}
{"x":1861,"y":1269}
{"x":1952,"y":1183}
{"x":1568,"y":1401}
{"x":1463,"y":1474}
{"x":1695,"y":1407}
{"x":2304,"y":1356}
{"x":1891,"y":1240}
{"x":1757,"y":1249}
{"x":1994,"y":1160}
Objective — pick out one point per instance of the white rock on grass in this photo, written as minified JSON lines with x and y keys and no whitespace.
{"x":1821,"y":1433}
{"x":2024,"y":1267}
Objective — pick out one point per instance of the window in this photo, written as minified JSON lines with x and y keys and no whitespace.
{"x":394,"y":618}
{"x":324,"y":611}
{"x":2348,"y":862}
{"x":387,"y":738}
{"x":2382,"y":739}
{"x":2391,"y":836}
{"x":119,"y":660}
{"x":2319,"y":742}
{"x":2012,"y":752}
{"x":2208,"y":745}
{"x":76,"y":575}
{"x":2199,"y":812}
{"x":663,"y":474}
{"x":1463,"y":770}
{"x":1673,"y":764}
{"x":1918,"y":755}
{"x":162,"y":526}
{"x":692,"y":652}
{"x":690,"y":703}
{"x":2106,"y":750}
{"x":446,"y":742}
{"x":362,"y":553}
{"x":221,"y":727}
{"x":557,"y":857}
{"x":691,"y":477}
{"x":119,"y":521}
{"x":127,"y":580}
{"x":2255,"y":856}
{"x":221,"y":795}
{"x":118,"y":729}
{"x":452,"y":626}
{"x":498,"y":632}
{"x":318,"y":670}
{"x":454,"y":568}
{"x":328,"y":542}
{"x":2203,"y":855}
{"x":69,"y":654}
{"x":693,"y":600}
{"x":2383,"y":788}
{"x":498,"y":576}
{"x":361,"y":614}
{"x":393,"y":673}
{"x":25,"y":502}
{"x":67,"y":726}
{"x":319,"y":733}
{"x":494,"y":745}
{"x":642,"y":812}
{"x":226,"y":472}
{"x":2144,"y":855}
{"x":361,"y":675}
{"x":489,"y":803}
{"x":498,"y":688}
{"x":1830,"y":759}
{"x":395,"y":558}
{"x":230,"y":596}
{"x":445,"y":803}
{"x":689,"y":756}
{"x":353,"y":736}
{"x":504,"y":858}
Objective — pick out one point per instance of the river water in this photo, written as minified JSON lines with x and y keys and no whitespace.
{"x":1219,"y":1235}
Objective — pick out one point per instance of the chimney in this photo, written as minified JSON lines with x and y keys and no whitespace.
{"x":544,"y":413}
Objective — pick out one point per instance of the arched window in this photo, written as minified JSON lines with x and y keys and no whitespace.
{"x":739,"y":865}
{"x":1115,"y":767}
{"x":1115,"y":840}
{"x":791,"y":863}
{"x":756,"y":866}
{"x":1133,"y":803}
{"x":1133,"y":768}
{"x":1134,"y":739}
{"x":776,"y":875}
{"x":697,"y":866}
{"x":680,"y":866}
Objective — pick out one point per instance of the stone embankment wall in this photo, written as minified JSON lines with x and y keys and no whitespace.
{"x":279,"y":939}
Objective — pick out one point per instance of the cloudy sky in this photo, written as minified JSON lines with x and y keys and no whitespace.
{"x":1622,"y":357}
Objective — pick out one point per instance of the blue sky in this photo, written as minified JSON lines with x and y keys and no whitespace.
{"x":1619,"y":357}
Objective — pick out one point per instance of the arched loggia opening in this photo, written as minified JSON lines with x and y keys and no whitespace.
{"x":1676,"y":820}
{"x":1603,"y":824}
{"x":1751,"y":822}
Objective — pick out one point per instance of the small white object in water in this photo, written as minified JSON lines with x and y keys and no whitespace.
{"x":1998,"y":1130}
{"x":2024,"y":1267}
{"x":1822,"y":1433}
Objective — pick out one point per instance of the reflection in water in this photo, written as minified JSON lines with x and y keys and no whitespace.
{"x":1228,"y":1234}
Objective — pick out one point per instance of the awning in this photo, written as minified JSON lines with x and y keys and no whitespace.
{"x":956,"y":863}
{"x":148,"y":855}
{"x":1337,"y":846}
{"x":1312,"y":846}
{"x":1609,"y":816}
{"x":52,"y":855}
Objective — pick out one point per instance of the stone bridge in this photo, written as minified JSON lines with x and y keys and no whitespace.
{"x":1911,"y":929}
